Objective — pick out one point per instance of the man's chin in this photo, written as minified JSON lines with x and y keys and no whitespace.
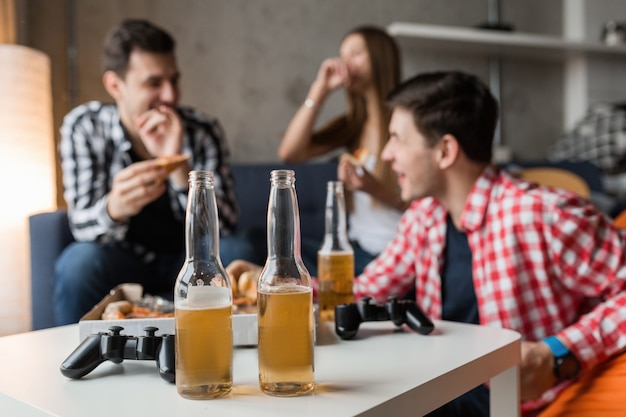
{"x":408,"y":196}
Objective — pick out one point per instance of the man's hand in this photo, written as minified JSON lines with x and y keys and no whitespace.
{"x":536,"y":369}
{"x":134,"y":187}
{"x":161,"y":131}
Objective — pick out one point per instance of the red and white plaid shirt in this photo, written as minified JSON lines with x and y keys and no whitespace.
{"x":544,"y":262}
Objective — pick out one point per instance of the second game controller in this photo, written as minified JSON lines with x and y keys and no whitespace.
{"x":116,"y":347}
{"x":348,"y":317}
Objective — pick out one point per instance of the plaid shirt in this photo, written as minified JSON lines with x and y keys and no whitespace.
{"x":541,"y":258}
{"x":94,"y":148}
{"x":600,"y":137}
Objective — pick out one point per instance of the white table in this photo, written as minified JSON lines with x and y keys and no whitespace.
{"x":383,"y":371}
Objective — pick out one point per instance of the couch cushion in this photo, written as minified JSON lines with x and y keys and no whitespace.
{"x":252,"y":186}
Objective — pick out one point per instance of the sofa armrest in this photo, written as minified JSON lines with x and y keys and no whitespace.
{"x":49,"y":235}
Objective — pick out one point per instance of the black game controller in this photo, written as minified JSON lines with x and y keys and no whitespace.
{"x":348,"y":317}
{"x":115,"y":347}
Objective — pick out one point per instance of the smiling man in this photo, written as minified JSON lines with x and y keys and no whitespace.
{"x":480,"y":246}
{"x":126,"y":210}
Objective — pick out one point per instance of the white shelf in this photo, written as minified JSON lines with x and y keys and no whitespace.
{"x":487,"y":41}
{"x":574,"y":55}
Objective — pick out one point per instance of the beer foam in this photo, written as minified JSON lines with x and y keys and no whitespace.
{"x":286,"y":289}
{"x":208,"y":296}
{"x":335,"y":252}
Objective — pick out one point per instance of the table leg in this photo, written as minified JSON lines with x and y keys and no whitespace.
{"x":505,"y":394}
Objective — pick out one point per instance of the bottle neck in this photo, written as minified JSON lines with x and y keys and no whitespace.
{"x":284,"y":266}
{"x":283,"y":218}
{"x":202,"y":224}
{"x":335,"y":231}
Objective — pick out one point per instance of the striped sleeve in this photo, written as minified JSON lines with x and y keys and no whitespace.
{"x":83,"y":150}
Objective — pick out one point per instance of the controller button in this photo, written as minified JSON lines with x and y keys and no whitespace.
{"x":150,"y":330}
{"x":115,"y":330}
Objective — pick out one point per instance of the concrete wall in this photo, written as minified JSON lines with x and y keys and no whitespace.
{"x":250,"y":62}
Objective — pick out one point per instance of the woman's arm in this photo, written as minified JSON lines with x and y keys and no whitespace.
{"x":297,"y":144}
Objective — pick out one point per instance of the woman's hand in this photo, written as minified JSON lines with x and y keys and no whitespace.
{"x":333,"y":73}
{"x":356,"y":177}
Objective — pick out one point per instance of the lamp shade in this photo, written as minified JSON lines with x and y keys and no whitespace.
{"x":26,"y":172}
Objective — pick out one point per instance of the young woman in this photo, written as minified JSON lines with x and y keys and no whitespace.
{"x":368,"y":68}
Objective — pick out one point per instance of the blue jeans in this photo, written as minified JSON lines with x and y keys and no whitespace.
{"x":86,"y":271}
{"x":474,"y":403}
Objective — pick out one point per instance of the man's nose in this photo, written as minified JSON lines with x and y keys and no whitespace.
{"x":386,"y":154}
{"x":169,"y":93}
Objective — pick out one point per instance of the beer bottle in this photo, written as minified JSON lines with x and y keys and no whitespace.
{"x":203,"y":301}
{"x":285,"y":302}
{"x":335,"y":259}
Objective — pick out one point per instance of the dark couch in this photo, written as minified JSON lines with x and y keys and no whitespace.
{"x":50,"y":233}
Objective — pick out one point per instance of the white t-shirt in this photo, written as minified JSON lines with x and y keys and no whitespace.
{"x":372,"y":224}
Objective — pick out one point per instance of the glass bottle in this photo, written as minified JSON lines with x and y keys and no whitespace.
{"x":286,"y":324}
{"x":335,"y":259}
{"x":203,"y":301}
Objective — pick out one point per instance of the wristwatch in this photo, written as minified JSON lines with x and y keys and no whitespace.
{"x":566,"y":365}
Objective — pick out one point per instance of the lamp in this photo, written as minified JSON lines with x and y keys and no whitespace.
{"x":26,"y":172}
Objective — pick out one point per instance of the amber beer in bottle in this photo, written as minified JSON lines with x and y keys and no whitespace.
{"x":203,"y":301}
{"x":286,"y":322}
{"x":335,"y":259}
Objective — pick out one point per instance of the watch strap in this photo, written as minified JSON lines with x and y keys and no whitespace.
{"x":556,"y":346}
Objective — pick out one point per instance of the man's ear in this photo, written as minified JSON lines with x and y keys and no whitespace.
{"x":448,"y":150}
{"x":112,"y":83}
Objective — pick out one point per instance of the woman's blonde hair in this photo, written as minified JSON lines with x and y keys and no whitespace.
{"x":346,"y":130}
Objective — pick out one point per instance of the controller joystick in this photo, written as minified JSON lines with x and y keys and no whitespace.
{"x":348,"y":317}
{"x":166,"y":360}
{"x":115,"y":347}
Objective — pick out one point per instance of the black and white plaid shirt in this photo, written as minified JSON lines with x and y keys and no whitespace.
{"x":94,"y":148}
{"x":600,"y":137}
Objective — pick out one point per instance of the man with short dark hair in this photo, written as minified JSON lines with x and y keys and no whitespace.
{"x":127,"y":212}
{"x":481,"y":246}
